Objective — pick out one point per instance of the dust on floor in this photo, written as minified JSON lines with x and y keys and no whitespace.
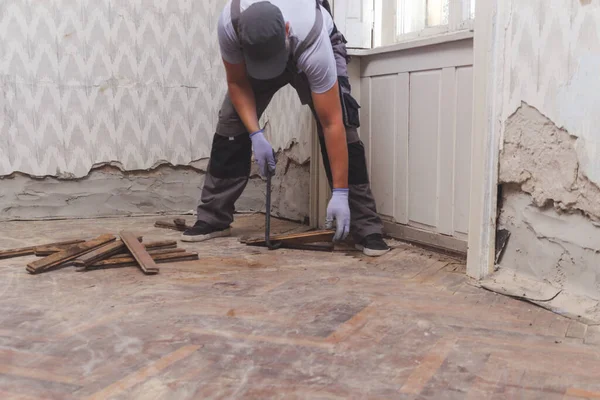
{"x":246,"y":322}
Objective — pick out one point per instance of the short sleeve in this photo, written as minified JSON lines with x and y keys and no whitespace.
{"x":318,"y":64}
{"x":228,"y":44}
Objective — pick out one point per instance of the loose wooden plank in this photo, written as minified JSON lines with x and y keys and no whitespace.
{"x":152,"y":252}
{"x":139,"y":252}
{"x":308,"y":247}
{"x":296,"y":238}
{"x":99,"y":254}
{"x":30,"y":250}
{"x":131,"y":262}
{"x":158,"y":245}
{"x":68,"y":254}
{"x":129,"y":258}
{"x":44,"y":251}
{"x":176,"y":225}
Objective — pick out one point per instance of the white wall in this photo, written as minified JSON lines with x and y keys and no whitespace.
{"x":134,"y":82}
{"x":551,"y":56}
{"x":546,"y":89}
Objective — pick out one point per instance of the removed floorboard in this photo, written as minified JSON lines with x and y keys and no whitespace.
{"x":30,"y":250}
{"x":157,"y":258}
{"x":139,"y":252}
{"x":178,"y":224}
{"x":70,"y":253}
{"x":296,"y":238}
{"x":99,"y":254}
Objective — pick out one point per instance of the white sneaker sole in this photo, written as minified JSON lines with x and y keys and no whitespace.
{"x":202,"y":238}
{"x":371,"y":252}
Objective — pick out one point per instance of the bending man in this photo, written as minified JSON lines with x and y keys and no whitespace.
{"x":266,"y":45}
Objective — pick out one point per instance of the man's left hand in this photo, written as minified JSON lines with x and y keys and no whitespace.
{"x":339,"y":210}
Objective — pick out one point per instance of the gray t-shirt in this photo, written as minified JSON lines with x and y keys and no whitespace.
{"x":317,"y":62}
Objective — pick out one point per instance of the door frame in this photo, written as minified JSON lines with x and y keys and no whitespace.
{"x":484,"y":146}
{"x":485,"y":142}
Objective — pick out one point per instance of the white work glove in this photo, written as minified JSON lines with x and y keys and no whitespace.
{"x":263,"y":152}
{"x":339,"y":211}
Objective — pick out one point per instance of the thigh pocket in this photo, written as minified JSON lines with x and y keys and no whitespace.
{"x":230,"y":157}
{"x":350,"y":107}
{"x":350,"y":110}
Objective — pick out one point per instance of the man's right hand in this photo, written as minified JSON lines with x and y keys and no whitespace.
{"x":263,"y":152}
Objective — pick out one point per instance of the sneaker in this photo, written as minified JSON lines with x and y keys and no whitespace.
{"x":373,"y":245}
{"x":202,"y":231}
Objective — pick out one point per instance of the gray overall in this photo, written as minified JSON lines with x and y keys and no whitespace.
{"x":231,"y":153}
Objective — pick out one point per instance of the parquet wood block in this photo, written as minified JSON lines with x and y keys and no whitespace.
{"x":68,"y":254}
{"x":139,"y":252}
{"x":100,"y":253}
{"x":176,"y":256}
{"x":296,"y":238}
{"x":30,"y":250}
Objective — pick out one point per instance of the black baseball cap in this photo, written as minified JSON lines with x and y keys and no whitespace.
{"x":262,"y":35}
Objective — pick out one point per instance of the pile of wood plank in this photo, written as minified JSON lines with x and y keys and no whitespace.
{"x":104,"y":251}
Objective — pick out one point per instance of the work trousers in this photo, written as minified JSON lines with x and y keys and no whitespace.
{"x":231,"y":153}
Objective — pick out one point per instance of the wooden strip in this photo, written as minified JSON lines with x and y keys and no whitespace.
{"x":161,"y":244}
{"x":175,"y":225}
{"x":297,"y":238}
{"x":99,"y":254}
{"x":151,"y":246}
{"x":429,"y":365}
{"x":152,"y":252}
{"x":584,"y":394}
{"x":44,"y":251}
{"x":36,"y":373}
{"x":351,"y":326}
{"x":94,"y":322}
{"x":68,"y":254}
{"x":131,"y":262}
{"x":144,"y":260}
{"x":283,"y":340}
{"x":26,"y":251}
{"x":309,"y":247}
{"x":143,"y":374}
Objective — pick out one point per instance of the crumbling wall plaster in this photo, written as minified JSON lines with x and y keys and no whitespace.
{"x":543,"y":160}
{"x":554,"y":247}
{"x":549,"y":206}
{"x":109,"y":190}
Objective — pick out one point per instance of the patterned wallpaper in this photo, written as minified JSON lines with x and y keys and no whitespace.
{"x":551,"y":58}
{"x":138,"y":82}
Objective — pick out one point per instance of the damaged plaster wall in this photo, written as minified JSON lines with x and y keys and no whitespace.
{"x":111,"y":191}
{"x":549,"y":157}
{"x":548,"y":204}
{"x":136,"y":84}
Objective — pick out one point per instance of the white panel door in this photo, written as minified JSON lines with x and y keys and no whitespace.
{"x":416,"y":119}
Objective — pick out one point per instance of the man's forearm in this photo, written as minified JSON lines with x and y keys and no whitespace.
{"x":242,"y":98}
{"x":337,"y":151}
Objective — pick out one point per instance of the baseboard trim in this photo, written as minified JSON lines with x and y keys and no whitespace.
{"x":420,"y":237}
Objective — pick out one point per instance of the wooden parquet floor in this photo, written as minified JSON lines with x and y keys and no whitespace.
{"x":248,"y":323}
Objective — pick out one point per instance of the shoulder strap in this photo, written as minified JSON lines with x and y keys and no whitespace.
{"x":235,"y":14}
{"x":312,"y":36}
